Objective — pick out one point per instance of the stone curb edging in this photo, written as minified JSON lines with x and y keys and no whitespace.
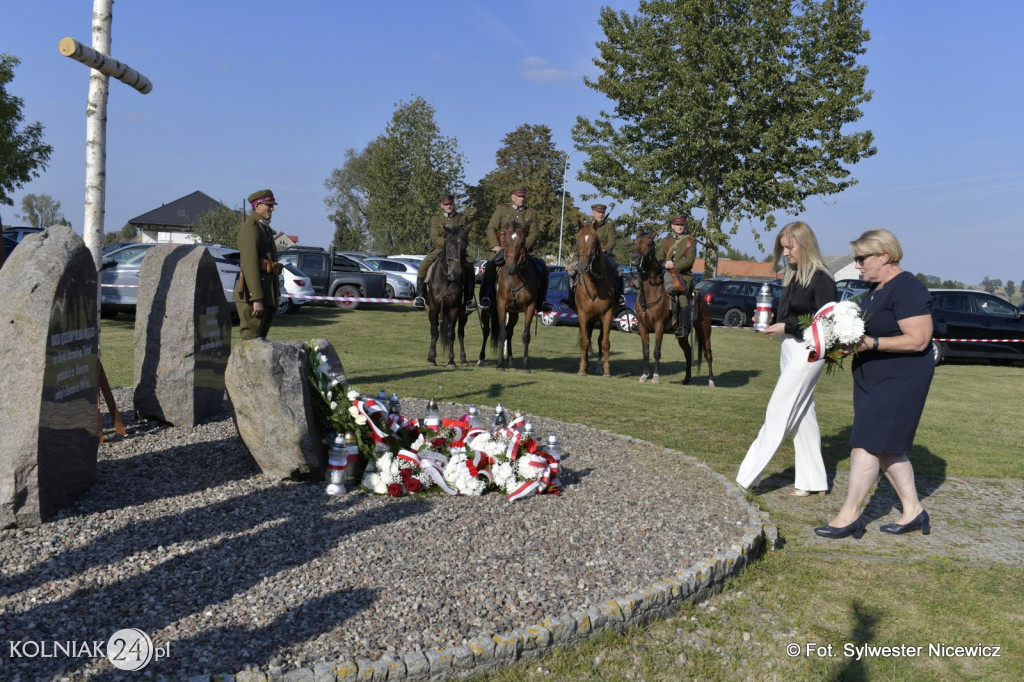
{"x":660,"y":600}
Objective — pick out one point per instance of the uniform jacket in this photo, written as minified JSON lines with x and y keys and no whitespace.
{"x":606,"y":234}
{"x":441,"y":221}
{"x":256,"y":241}
{"x":503,"y":218}
{"x":682,"y":251}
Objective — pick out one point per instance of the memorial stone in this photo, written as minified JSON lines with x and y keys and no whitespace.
{"x":182,"y":336}
{"x":48,"y":376}
{"x":269,"y":389}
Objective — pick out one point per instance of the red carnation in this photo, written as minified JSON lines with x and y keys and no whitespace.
{"x":395,"y":489}
{"x":413,"y":485}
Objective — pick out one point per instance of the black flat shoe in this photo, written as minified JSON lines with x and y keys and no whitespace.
{"x":920,"y":521}
{"x":856,"y":529}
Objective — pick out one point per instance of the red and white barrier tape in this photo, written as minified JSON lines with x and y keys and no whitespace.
{"x":981,"y":340}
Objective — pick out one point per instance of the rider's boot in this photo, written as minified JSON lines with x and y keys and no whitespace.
{"x":419,"y":301}
{"x":682,"y":319}
{"x":487,"y":286}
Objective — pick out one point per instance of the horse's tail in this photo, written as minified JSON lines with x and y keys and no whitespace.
{"x":703,"y":313}
{"x":492,"y":312}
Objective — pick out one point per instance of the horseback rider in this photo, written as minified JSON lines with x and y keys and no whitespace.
{"x":515,"y":211}
{"x":606,"y":235}
{"x":676,"y":254}
{"x":447,"y":218}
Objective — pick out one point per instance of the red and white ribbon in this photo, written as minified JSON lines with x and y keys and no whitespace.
{"x":817,"y":340}
{"x":431,"y":463}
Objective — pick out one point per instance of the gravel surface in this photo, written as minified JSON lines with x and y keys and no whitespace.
{"x":182,"y":538}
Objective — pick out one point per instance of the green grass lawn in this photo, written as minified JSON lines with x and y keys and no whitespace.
{"x":971,"y":428}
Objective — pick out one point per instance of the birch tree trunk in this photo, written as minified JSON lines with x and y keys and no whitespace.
{"x":96,"y":136}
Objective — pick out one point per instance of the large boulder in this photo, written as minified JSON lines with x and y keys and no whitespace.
{"x":268,"y":386}
{"x":182,"y":336}
{"x":49,"y":435}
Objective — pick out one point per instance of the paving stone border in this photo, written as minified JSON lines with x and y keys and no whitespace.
{"x":662,"y":599}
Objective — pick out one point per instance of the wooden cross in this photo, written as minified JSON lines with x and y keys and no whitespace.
{"x":103,"y":66}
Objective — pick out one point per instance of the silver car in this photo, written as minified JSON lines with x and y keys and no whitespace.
{"x":398,"y":285}
{"x":119,"y":276}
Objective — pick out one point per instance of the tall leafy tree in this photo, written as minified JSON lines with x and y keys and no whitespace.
{"x":399,"y":179}
{"x":42,"y":210}
{"x":527,"y":158}
{"x":736,"y":108}
{"x":128,"y":233}
{"x":22,"y":151}
{"x":346,"y":200}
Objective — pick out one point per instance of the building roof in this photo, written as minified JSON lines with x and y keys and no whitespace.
{"x":180,"y":214}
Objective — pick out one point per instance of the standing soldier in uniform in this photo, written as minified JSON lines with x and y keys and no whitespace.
{"x":448,"y":217}
{"x":677,"y":254}
{"x":256,"y":291}
{"x":504,"y":216}
{"x":606,"y":234}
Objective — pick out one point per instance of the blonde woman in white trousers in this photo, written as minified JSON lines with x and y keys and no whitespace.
{"x":808,"y":286}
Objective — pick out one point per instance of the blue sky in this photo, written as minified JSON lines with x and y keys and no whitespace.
{"x":268,"y":94}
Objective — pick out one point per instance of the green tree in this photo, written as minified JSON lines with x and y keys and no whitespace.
{"x":527,"y":158}
{"x":407,"y":171}
{"x":128,"y":233}
{"x":1011,"y":289}
{"x":346,"y":200}
{"x":219,"y":226}
{"x":42,"y":210}
{"x":22,"y":152}
{"x":735,"y":107}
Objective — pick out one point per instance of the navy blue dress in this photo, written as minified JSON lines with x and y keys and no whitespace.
{"x":890,"y":389}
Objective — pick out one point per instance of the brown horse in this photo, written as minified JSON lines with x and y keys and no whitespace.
{"x":595,"y":295}
{"x":653,"y":310}
{"x":519,"y":290}
{"x":444,"y":294}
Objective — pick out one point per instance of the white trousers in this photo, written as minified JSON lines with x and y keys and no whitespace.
{"x":790,"y":411}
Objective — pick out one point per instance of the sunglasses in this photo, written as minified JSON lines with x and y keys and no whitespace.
{"x":859,"y":260}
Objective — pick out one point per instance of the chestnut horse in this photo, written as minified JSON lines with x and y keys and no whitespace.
{"x":444,"y":295}
{"x":653,"y":310}
{"x":595,"y":295}
{"x":519,"y":290}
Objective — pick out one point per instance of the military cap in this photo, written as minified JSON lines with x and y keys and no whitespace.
{"x":599,"y":207}
{"x":263,"y":196}
{"x":520,"y":192}
{"x":679,"y":220}
{"x":447,"y":199}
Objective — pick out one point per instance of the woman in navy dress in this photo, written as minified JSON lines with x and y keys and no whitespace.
{"x":891,"y":374}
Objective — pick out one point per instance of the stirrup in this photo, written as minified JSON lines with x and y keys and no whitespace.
{"x":419,"y":302}
{"x":485,"y":303}
{"x":470,"y":305}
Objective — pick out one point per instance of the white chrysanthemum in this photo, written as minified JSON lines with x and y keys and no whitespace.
{"x":530,"y":473}
{"x":468,"y":485}
{"x":503,"y":473}
{"x":479,"y":441}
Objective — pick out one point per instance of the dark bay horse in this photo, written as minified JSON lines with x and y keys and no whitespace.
{"x":595,"y":295}
{"x":519,"y":290}
{"x":445,"y":298}
{"x":653,"y":310}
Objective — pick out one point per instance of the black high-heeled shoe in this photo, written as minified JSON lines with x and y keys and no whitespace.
{"x":920,"y":521}
{"x":856,"y":529}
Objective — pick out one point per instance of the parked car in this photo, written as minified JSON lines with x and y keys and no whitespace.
{"x":295,"y":282}
{"x":965,"y":316}
{"x":848,"y":288}
{"x":732,"y":301}
{"x":404,"y":269}
{"x":397,"y":285}
{"x":116,"y":245}
{"x":19,"y":233}
{"x":9,"y":245}
{"x":478,"y":270}
{"x":555,"y":308}
{"x":119,"y":276}
{"x":334,"y":274}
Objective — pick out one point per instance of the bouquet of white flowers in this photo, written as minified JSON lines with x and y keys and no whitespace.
{"x":831,"y":332}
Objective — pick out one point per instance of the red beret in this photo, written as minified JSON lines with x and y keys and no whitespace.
{"x":679,"y":220}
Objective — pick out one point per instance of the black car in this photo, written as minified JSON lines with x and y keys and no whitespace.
{"x":732,"y":300}
{"x":975,"y":324}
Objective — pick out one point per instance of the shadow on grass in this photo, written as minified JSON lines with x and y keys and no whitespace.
{"x":865,"y":618}
{"x":929,"y":474}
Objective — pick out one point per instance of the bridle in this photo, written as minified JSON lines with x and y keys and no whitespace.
{"x":646,"y":265}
